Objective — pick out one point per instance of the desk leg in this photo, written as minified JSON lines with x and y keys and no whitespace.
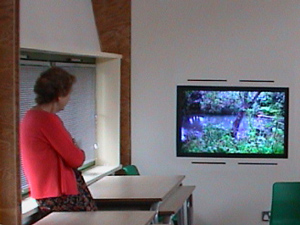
{"x":181,"y":216}
{"x":167,"y":220}
{"x":189,"y":209}
{"x":155,"y":207}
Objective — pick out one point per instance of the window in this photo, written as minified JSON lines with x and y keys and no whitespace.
{"x":79,"y":116}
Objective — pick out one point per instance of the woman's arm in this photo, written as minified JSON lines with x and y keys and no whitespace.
{"x":62,"y":142}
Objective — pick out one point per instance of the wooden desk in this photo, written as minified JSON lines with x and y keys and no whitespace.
{"x":133,"y":192}
{"x":180,"y":203}
{"x":98,"y":218}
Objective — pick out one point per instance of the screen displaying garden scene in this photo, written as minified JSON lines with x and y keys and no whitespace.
{"x":232,"y":121}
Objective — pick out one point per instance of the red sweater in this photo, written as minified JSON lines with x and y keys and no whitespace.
{"x":48,"y":155}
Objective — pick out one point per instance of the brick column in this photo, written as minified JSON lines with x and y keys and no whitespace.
{"x":10,"y":199}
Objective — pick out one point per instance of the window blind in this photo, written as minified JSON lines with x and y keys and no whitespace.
{"x":79,"y":116}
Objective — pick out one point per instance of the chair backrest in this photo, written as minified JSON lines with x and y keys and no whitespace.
{"x":131,"y":170}
{"x":285,"y":208}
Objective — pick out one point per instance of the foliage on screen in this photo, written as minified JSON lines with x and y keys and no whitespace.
{"x":214,"y":121}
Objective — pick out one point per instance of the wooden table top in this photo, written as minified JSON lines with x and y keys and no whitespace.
{"x":134,"y":188}
{"x":98,"y":218}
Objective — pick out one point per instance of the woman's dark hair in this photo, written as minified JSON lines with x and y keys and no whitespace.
{"x":53,"y":83}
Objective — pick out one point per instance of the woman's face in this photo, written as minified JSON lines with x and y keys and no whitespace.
{"x":63,"y":101}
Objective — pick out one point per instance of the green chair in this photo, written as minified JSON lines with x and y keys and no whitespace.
{"x":285,"y":208}
{"x":131,"y":170}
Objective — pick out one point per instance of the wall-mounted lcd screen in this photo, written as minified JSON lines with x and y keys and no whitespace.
{"x":224,"y":121}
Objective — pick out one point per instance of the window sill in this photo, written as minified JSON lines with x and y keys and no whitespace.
{"x":97,"y":172}
{"x":29,"y":205}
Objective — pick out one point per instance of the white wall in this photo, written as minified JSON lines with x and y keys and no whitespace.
{"x":59,"y":25}
{"x":173,"y":40}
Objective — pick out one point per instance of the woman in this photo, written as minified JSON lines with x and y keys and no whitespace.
{"x":50,"y":157}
